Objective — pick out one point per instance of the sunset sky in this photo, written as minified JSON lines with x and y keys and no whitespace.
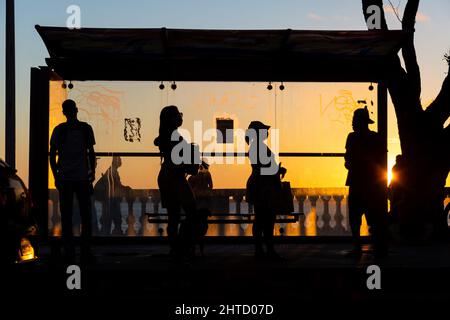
{"x":242,"y":102}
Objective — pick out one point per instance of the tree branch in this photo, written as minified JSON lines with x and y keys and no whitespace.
{"x":409,"y":51}
{"x":409,"y":16}
{"x":400,"y":83}
{"x":439,"y":109}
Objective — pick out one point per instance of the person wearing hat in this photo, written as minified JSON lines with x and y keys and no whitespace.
{"x":263,"y":188}
{"x":366,"y":179}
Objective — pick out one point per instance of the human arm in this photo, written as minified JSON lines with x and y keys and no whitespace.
{"x":92,"y":161}
{"x":348,"y":152}
{"x":54,"y":166}
{"x":53,"y":152}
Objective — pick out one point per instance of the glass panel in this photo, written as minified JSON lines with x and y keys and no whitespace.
{"x":311,"y":117}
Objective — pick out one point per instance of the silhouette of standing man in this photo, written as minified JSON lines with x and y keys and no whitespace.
{"x":73,"y":141}
{"x":364,"y":159}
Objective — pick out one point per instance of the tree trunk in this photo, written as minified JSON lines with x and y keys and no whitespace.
{"x":423,"y":138}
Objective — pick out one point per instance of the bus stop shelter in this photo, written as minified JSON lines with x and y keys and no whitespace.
{"x":94,"y":54}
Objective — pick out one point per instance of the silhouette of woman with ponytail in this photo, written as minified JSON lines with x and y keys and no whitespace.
{"x":174,"y":188}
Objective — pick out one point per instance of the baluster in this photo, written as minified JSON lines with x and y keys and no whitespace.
{"x":332,"y":211}
{"x":302,"y":215}
{"x":319,"y":206}
{"x":161,"y":209}
{"x":231,"y":205}
{"x":344,"y":210}
{"x":326,"y":217}
{"x":160,"y":228}
{"x":142,"y":218}
{"x":156,"y":210}
{"x":338,"y":217}
{"x":310,"y":226}
{"x":149,"y":208}
{"x":124,"y":211}
{"x":137,"y":211}
{"x":227,"y":228}
{"x":311,"y":218}
{"x":131,"y":218}
{"x":244,"y":208}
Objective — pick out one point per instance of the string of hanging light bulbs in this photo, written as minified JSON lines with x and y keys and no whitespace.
{"x":270,"y":86}
{"x":173,"y":86}
{"x":65,"y":85}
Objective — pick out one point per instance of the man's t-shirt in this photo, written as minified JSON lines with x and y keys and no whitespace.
{"x":72,"y":141}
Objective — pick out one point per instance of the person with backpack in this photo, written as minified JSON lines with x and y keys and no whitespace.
{"x":264,"y":189}
{"x":72,"y":161}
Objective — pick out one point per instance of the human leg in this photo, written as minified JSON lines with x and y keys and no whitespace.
{"x":355,"y":212}
{"x":66,"y":192}
{"x":257,"y":229}
{"x":84,"y":200}
{"x":173,"y":214}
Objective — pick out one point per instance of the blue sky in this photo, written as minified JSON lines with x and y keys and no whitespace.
{"x":432,"y":37}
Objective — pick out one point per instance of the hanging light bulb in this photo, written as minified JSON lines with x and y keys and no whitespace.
{"x":64,"y":85}
{"x":270,"y":87}
{"x":161,"y":86}
{"x":174,"y":86}
{"x":70,"y":86}
{"x":282,"y":86}
{"x":371,"y":87}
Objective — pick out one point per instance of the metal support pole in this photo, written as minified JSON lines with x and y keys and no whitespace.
{"x":10,"y":87}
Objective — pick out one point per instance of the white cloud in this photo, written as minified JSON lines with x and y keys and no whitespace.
{"x":313,"y":16}
{"x":420,"y":17}
{"x":341,"y":18}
